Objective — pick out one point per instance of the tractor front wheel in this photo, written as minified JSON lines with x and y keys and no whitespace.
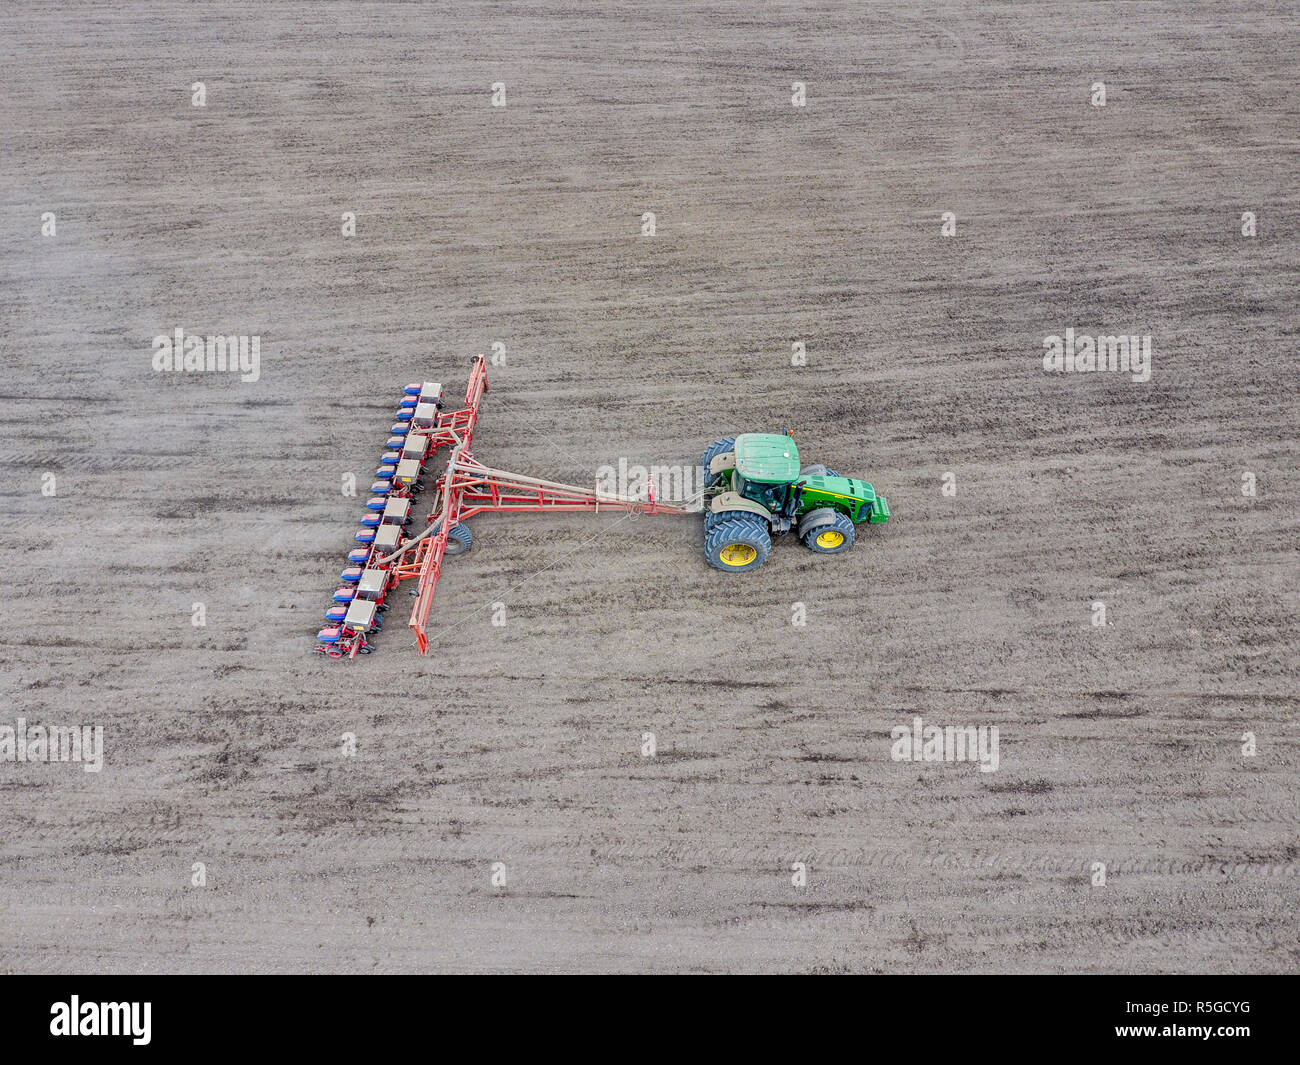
{"x":738,"y":543}
{"x":833,"y":538}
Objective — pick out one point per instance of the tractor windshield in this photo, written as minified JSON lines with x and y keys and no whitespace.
{"x":771,"y":496}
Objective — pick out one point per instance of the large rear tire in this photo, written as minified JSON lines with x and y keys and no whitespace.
{"x":711,"y":519}
{"x":739,"y":543}
{"x":719,"y":447}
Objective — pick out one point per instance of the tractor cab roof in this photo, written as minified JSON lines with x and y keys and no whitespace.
{"x":770,"y":458}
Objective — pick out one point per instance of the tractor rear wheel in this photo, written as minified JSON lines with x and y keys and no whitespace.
{"x":719,"y":447}
{"x":711,"y":519}
{"x":833,"y":538}
{"x":738,"y":543}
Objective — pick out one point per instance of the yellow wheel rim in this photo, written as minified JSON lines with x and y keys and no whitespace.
{"x":830,"y":538}
{"x":738,"y":554}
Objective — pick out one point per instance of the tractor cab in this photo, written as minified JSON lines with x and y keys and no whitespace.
{"x":767,"y":467}
{"x":771,"y":496}
{"x":767,"y":464}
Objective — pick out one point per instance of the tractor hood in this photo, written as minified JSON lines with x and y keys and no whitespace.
{"x":844,"y":488}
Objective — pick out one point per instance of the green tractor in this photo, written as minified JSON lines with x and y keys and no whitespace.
{"x":754,"y":488}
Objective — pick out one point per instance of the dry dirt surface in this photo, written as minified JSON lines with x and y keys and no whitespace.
{"x":1122,"y":745}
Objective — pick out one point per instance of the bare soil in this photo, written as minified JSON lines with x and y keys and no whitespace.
{"x":521,"y":744}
